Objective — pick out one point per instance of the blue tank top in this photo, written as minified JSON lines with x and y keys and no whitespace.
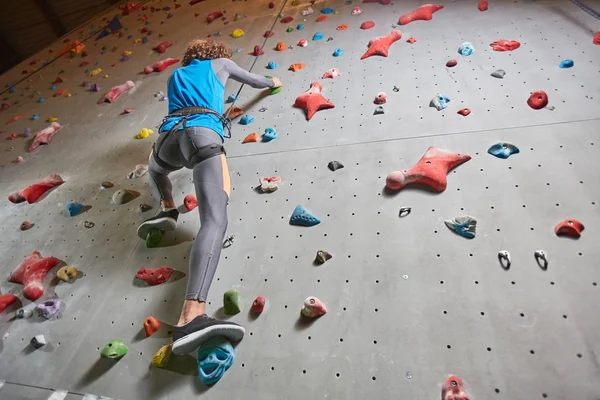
{"x":196,"y":85}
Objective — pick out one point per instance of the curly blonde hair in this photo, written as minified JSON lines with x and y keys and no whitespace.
{"x":205,"y":49}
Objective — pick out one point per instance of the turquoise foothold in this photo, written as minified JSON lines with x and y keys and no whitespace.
{"x":464,"y":226}
{"x":215,"y":357}
{"x":231,"y":98}
{"x":503,"y":150}
{"x":271,"y":65}
{"x":74,"y":208}
{"x":300,"y":27}
{"x":317,"y":36}
{"x":338,"y":52}
{"x":302,"y":217}
{"x":566,"y":64}
{"x":41,"y":100}
{"x":247,"y":119}
{"x":327,"y":10}
{"x":269,"y":135}
{"x":34,"y":117}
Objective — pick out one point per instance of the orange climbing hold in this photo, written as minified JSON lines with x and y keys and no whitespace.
{"x":423,"y":13}
{"x":380,"y":45}
{"x":14,"y":119}
{"x":569,"y":227}
{"x":296,"y":67}
{"x":322,"y":18}
{"x":342,"y":27}
{"x":281,"y":46}
{"x":464,"y":111}
{"x":60,"y":93}
{"x":151,"y":326}
{"x":253,"y":137}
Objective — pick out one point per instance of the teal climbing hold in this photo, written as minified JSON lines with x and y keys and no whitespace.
{"x":231,"y":98}
{"x":300,"y":27}
{"x":215,"y":356}
{"x":271,"y":65}
{"x":317,"y":36}
{"x":303,"y":217}
{"x":74,"y":208}
{"x":269,"y":135}
{"x":566,"y":64}
{"x":247,"y":119}
{"x":338,"y":52}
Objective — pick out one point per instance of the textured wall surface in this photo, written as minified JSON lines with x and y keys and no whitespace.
{"x":409,"y":302}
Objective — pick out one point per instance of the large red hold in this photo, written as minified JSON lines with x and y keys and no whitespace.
{"x":431,"y":170}
{"x":453,"y":389}
{"x":162,"y":46}
{"x":160,"y":66}
{"x":538,"y":100}
{"x":44,"y":136}
{"x":423,"y":13}
{"x":483,"y":5}
{"x":214,"y":15}
{"x":33,"y":192}
{"x":6,"y":300}
{"x":116,"y":92}
{"x":505,"y":45}
{"x":569,"y":227}
{"x":156,"y":276}
{"x":31,"y":273}
{"x":313,"y":101}
{"x":380,"y":45}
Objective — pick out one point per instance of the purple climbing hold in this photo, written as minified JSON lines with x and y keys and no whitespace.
{"x":95,"y":88}
{"x":48,"y":308}
{"x":27,"y":132}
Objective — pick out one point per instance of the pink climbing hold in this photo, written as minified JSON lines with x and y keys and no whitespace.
{"x":214,"y":15}
{"x":162,"y":46}
{"x":313,"y":307}
{"x":331,"y":73}
{"x":190,"y":202}
{"x":44,"y":136}
{"x":505,"y":45}
{"x":302,"y":43}
{"x":367,"y":25}
{"x":19,"y":160}
{"x":6,"y":300}
{"x":381,"y":98}
{"x":25,"y":226}
{"x":453,"y":389}
{"x":431,"y":170}
{"x":423,"y":13}
{"x":116,"y":92}
{"x":483,"y":5}
{"x":313,"y":101}
{"x":160,"y":66}
{"x":156,"y":276}
{"x":380,"y":45}
{"x":258,"y":305}
{"x":31,"y":273}
{"x":32,"y":193}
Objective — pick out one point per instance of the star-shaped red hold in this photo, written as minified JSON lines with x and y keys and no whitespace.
{"x":313,"y":101}
{"x":380,"y":45}
{"x":423,"y":13}
{"x":431,"y":170}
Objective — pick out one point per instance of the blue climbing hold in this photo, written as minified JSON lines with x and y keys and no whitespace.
{"x":53,"y":87}
{"x":302,"y":217}
{"x":215,"y":356}
{"x":34,"y":117}
{"x":318,"y":36}
{"x":41,"y":100}
{"x":269,"y":135}
{"x":87,"y":71}
{"x":271,"y":65}
{"x":74,"y":208}
{"x":11,"y":89}
{"x":440,"y":101}
{"x":464,"y":226}
{"x":466,"y":49}
{"x":566,"y":64}
{"x":327,"y":10}
{"x":338,"y":52}
{"x":300,"y":27}
{"x":129,"y":37}
{"x":247,"y":119}
{"x":503,"y":150}
{"x":97,"y":62}
{"x":231,"y":98}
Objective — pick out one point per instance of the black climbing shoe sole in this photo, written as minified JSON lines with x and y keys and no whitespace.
{"x":164,"y":221}
{"x":192,"y":341}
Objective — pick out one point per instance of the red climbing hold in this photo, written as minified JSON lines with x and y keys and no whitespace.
{"x":596,"y":39}
{"x":31,"y":273}
{"x":367,"y":25}
{"x":268,"y":34}
{"x":162,"y":46}
{"x":156,"y":276}
{"x":381,"y":98}
{"x":453,"y":389}
{"x":4,"y":106}
{"x":60,"y":93}
{"x":25,"y":226}
{"x":313,"y":101}
{"x":505,"y":45}
{"x":538,"y":100}
{"x":160,"y":66}
{"x":214,"y":15}
{"x":569,"y":227}
{"x":258,"y":305}
{"x":271,"y":5}
{"x":322,"y":18}
{"x":6,"y":300}
{"x":32,"y":193}
{"x":44,"y":136}
{"x":12,"y":136}
{"x":382,"y":2}
{"x":83,"y":64}
{"x":190,"y":202}
{"x":151,"y":326}
{"x":116,"y":92}
{"x":130,"y":7}
{"x":257,"y":51}
{"x":464,"y":111}
{"x":14,"y":119}
{"x":423,"y":13}
{"x":380,"y":45}
{"x":286,"y":20}
{"x":58,"y":80}
{"x":483,"y":5}
{"x":431,"y":170}
{"x":411,"y":40}
{"x":451,"y":63}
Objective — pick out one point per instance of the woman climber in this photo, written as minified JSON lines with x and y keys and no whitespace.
{"x":192,"y":136}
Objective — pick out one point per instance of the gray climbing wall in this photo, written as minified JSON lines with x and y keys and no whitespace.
{"x":409,"y":301}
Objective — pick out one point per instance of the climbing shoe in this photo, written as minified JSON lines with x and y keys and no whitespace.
{"x":189,"y":337}
{"x":164,"y":221}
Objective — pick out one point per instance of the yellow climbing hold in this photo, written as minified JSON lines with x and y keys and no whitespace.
{"x":95,"y":72}
{"x":127,"y":52}
{"x":336,"y":12}
{"x":144,"y":133}
{"x":137,"y":41}
{"x":105,"y":76}
{"x":162,"y":356}
{"x":238,"y":33}
{"x":52,"y":119}
{"x":68,"y":94}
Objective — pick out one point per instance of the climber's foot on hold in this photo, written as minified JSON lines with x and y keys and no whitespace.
{"x":164,"y":221}
{"x":188,"y":337}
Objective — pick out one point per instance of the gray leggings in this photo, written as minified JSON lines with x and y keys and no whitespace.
{"x":211,"y":180}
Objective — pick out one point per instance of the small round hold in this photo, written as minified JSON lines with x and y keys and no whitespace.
{"x":323,"y":256}
{"x":107,"y":185}
{"x":26,"y":225}
{"x":89,"y":224}
{"x":504,"y":258}
{"x":23,"y":313}
{"x":228,"y":241}
{"x":404,"y":211}
{"x":405,"y":277}
{"x":396,"y":88}
{"x":541,"y":258}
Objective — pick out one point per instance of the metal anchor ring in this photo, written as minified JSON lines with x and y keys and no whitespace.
{"x":89,"y":224}
{"x":229,"y":241}
{"x":541,"y":255}
{"x":504,"y":258}
{"x":404,"y":211}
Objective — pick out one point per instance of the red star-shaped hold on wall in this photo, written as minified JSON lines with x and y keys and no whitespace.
{"x":423,"y":13}
{"x":313,"y":101}
{"x":380,"y":45}
{"x":431,"y":170}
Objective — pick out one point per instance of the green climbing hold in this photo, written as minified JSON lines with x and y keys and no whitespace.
{"x":276,"y":90}
{"x":231,"y":302}
{"x":290,"y":29}
{"x":115,"y":349}
{"x":153,"y":238}
{"x":280,"y":15}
